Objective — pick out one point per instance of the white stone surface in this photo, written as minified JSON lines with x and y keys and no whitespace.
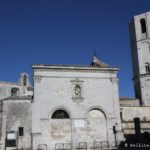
{"x":140,"y":45}
{"x":54,"y":89}
{"x":79,"y":123}
{"x":17,"y":113}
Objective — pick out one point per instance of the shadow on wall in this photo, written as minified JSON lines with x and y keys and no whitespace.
{"x":138,"y":140}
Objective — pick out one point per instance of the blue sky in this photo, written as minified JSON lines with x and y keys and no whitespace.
{"x":66,"y":32}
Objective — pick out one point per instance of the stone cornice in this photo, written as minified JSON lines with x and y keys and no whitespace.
{"x":69,"y":65}
{"x":39,"y":68}
{"x":144,"y":75}
{"x":19,"y":98}
{"x":141,"y":75}
{"x":128,"y":98}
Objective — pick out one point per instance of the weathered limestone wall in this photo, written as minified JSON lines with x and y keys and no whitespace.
{"x":128,"y":115}
{"x":5,"y":90}
{"x":60,"y":131}
{"x":145,"y":84}
{"x":17,"y":113}
{"x":126,"y":102}
{"x":96,"y":119}
{"x":54,"y":90}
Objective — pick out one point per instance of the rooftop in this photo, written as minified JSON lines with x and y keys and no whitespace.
{"x":96,"y":64}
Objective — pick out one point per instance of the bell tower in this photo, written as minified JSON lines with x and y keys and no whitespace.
{"x":24,"y":80}
{"x":139,"y":28}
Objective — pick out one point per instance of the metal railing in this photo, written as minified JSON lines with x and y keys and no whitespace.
{"x":63,"y":146}
{"x":42,"y":147}
{"x":97,"y":145}
{"x":100,"y":145}
{"x":82,"y":145}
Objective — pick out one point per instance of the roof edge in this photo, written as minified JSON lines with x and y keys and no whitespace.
{"x":79,"y":67}
{"x":18,"y":98}
{"x":13,"y":83}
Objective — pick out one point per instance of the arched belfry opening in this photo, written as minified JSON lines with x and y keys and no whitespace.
{"x":25,"y":80}
{"x":14,"y":92}
{"x":147,"y":67}
{"x":143,"y":25}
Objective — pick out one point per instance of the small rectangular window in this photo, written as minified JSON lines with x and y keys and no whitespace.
{"x":147,"y":68}
{"x":121,"y":115}
{"x":21,"y":130}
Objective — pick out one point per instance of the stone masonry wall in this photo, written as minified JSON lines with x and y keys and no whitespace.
{"x":17,"y":113}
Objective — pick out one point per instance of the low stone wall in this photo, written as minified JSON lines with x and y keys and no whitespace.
{"x":128,"y":114}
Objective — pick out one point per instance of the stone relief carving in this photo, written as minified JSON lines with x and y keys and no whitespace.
{"x":77,"y":90}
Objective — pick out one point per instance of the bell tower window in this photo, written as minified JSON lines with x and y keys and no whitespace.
{"x":25,"y":80}
{"x":143,"y":25}
{"x":147,"y":67}
{"x":14,"y":92}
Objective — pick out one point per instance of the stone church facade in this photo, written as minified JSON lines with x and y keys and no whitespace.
{"x":77,"y":107}
{"x":87,"y":96}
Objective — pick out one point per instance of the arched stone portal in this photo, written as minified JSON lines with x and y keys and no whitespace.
{"x":96,"y":126}
{"x":60,"y":123}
